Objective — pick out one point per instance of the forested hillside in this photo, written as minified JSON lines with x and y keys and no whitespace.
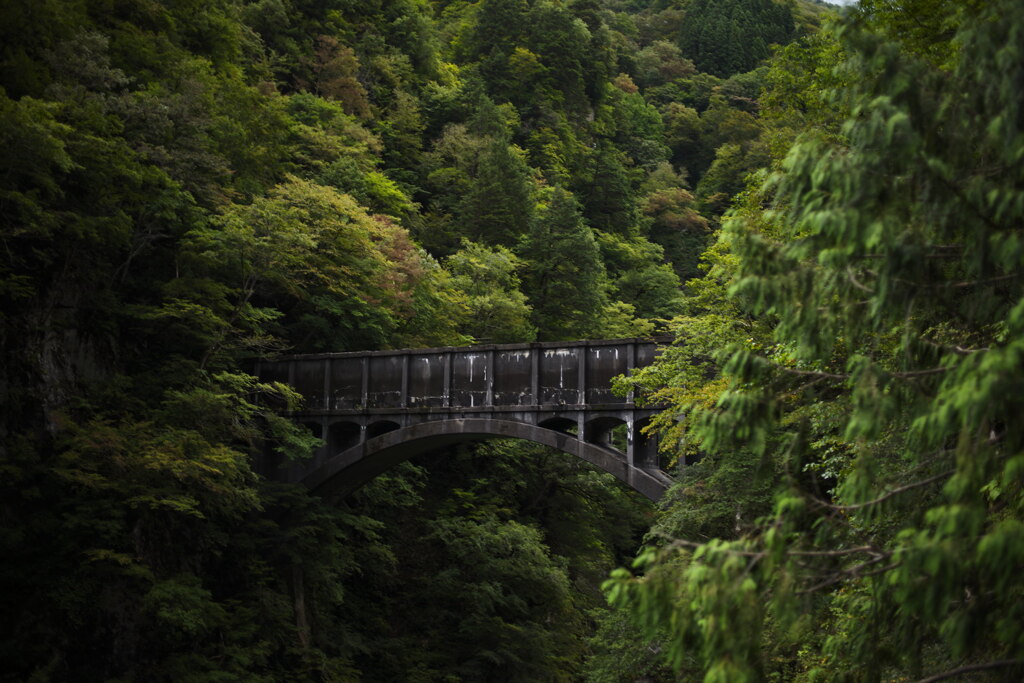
{"x":824,"y":212}
{"x":849,"y":374}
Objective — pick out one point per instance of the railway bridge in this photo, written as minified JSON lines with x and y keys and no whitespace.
{"x":375,"y":409}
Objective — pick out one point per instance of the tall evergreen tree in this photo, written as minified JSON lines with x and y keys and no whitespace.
{"x":564,"y":278}
{"x":562,"y":41}
{"x":499,"y":205}
{"x":611,"y":204}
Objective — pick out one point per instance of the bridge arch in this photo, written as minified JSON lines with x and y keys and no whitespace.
{"x":375,"y":408}
{"x":560,"y":424}
{"x":351,"y":468}
{"x":599,"y":429}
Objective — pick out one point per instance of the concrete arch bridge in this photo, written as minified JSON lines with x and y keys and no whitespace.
{"x":376,"y":409}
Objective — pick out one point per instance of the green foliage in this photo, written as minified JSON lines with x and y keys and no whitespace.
{"x":638,"y":127}
{"x":492,"y":595}
{"x":498,"y":206}
{"x":660,"y":62}
{"x":797,"y":80}
{"x":676,"y":224}
{"x":564,"y":277}
{"x":621,"y":653}
{"x":371,"y":189}
{"x":306,"y":243}
{"x":639,"y":276}
{"x":122,"y":535}
{"x":866,"y":369}
{"x":562,"y":40}
{"x":610,"y":204}
{"x":498,"y":312}
{"x":728,"y":174}
{"x":724,"y":37}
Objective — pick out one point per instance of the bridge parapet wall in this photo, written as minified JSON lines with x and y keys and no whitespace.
{"x":557,"y":373}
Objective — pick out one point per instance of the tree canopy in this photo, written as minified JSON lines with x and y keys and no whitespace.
{"x":866,"y":372}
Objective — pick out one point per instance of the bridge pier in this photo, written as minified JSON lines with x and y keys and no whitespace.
{"x":642,"y":449}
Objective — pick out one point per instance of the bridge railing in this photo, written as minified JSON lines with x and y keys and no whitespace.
{"x":506,"y":375}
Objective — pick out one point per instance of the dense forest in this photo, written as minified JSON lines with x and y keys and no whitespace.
{"x":823,"y":208}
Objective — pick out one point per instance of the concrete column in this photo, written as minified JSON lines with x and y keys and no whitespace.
{"x":651,"y":452}
{"x":644,"y":448}
{"x":535,"y":374}
{"x":327,"y":383}
{"x":447,"y":395}
{"x":630,"y":364}
{"x":364,"y":392}
{"x":631,"y":441}
{"x":581,"y":387}
{"x":489,"y":378}
{"x":324,"y":452}
{"x":403,"y":399}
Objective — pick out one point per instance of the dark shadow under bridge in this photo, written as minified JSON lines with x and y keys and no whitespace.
{"x":375,"y":409}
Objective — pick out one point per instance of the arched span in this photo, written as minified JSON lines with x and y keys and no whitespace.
{"x":351,"y":468}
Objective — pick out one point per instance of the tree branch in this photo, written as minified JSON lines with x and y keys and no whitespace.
{"x":955,"y":348}
{"x":997,"y":664}
{"x":910,"y":374}
{"x":680,"y":543}
{"x":853,"y":572}
{"x":813,"y":373}
{"x":856,"y":283}
{"x":905,"y":374}
{"x":871,"y":550}
{"x":894,"y":492}
{"x":836,"y":553}
{"x":957,"y":285}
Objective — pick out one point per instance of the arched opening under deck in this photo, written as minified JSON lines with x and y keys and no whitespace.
{"x":349,"y":469}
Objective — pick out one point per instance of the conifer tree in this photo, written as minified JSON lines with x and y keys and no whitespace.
{"x":610,"y":202}
{"x":724,"y":37}
{"x":564,"y":277}
{"x":499,"y":205}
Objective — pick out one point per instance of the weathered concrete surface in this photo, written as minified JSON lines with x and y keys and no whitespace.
{"x":375,"y":409}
